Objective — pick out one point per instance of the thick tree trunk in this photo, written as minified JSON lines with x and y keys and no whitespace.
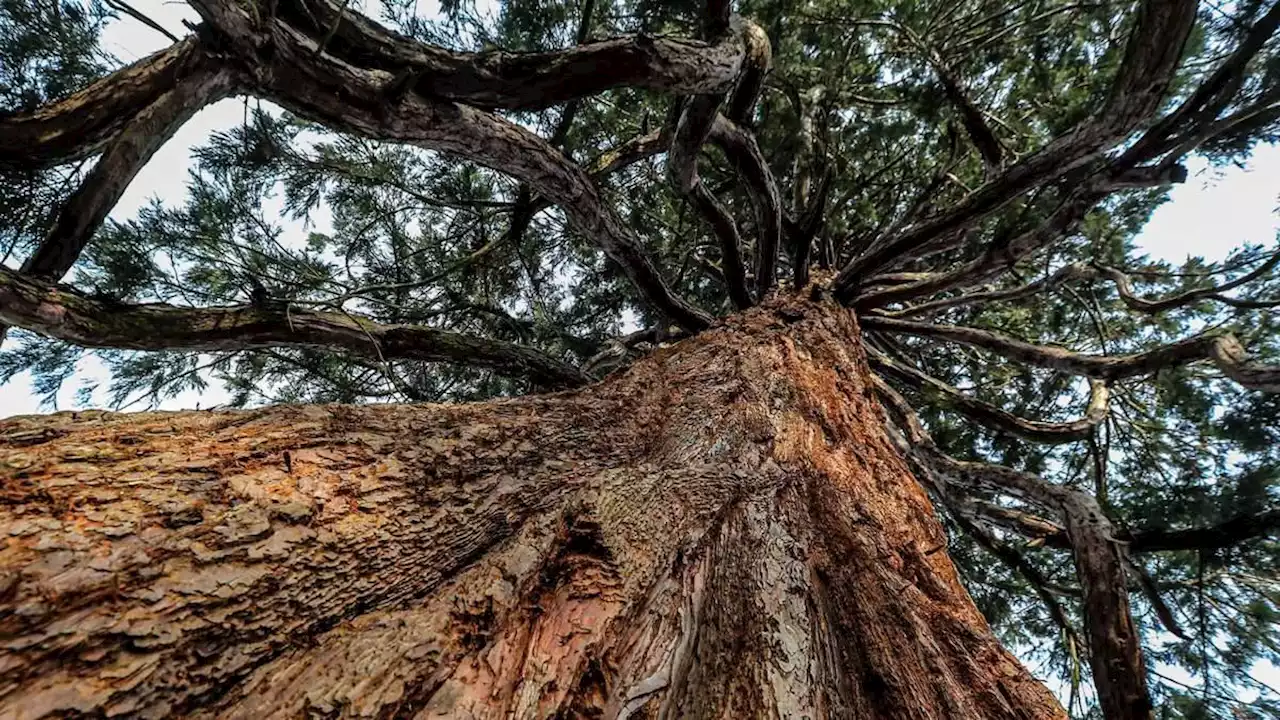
{"x":722,"y":531}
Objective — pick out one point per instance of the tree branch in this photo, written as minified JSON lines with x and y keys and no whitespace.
{"x":1064,"y":274}
{"x":1210,"y":97}
{"x":141,"y":17}
{"x":1152,"y":53}
{"x":1119,"y":672}
{"x":124,"y":156}
{"x":975,"y":125}
{"x":1224,"y":350}
{"x":1228,"y":533}
{"x":78,"y":126}
{"x":991,"y":416}
{"x":59,"y":312}
{"x":998,"y":258}
{"x":355,"y":100}
{"x":1124,"y":287}
{"x":503,"y":80}
{"x":744,"y":152}
{"x":755,"y":66}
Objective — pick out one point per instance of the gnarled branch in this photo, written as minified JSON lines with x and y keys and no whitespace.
{"x":1064,"y":274}
{"x":59,"y":312}
{"x":78,"y":126}
{"x":502,"y":80}
{"x":356,"y":100}
{"x":1151,"y":56}
{"x":1223,"y":349}
{"x":744,"y":152}
{"x":1119,"y":673}
{"x":991,"y":416}
{"x":1124,"y":287}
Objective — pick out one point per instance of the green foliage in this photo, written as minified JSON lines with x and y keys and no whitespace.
{"x":47,"y":51}
{"x":321,"y":220}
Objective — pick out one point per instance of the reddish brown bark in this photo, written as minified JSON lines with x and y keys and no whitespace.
{"x":724,"y":530}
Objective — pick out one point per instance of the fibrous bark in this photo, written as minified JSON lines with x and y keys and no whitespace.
{"x":724,"y":530}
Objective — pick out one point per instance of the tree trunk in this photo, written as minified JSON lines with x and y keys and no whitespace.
{"x":724,"y":530}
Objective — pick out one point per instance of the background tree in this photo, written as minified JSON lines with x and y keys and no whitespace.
{"x":512,"y":194}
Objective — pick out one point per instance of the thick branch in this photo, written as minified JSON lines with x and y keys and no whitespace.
{"x":1066,"y":273}
{"x":58,"y":312}
{"x":970,"y":116}
{"x":997,"y":259}
{"x":503,"y":80}
{"x":78,"y":126}
{"x":755,"y":66}
{"x":693,"y":126}
{"x":1124,"y":287}
{"x":991,"y":416}
{"x":356,"y":101}
{"x":1210,"y":97}
{"x":125,"y":155}
{"x":1224,"y":350}
{"x":1154,"y":47}
{"x":744,"y":152}
{"x":1119,"y":673}
{"x":1228,"y":533}
{"x":726,"y":232}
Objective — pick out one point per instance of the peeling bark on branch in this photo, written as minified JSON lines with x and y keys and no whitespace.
{"x":354,"y":100}
{"x":1151,"y":56}
{"x":80,"y":125}
{"x":57,"y":312}
{"x":1224,"y":350}
{"x":502,"y":80}
{"x":994,"y":417}
{"x":722,"y":530}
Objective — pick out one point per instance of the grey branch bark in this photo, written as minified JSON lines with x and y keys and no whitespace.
{"x":1223,"y":349}
{"x":1152,"y":53}
{"x":990,"y":415}
{"x":744,"y":152}
{"x":59,"y":312}
{"x":356,"y":100}
{"x":503,"y":80}
{"x":1124,"y":287}
{"x":125,"y":155}
{"x":1119,"y":672}
{"x":79,"y":126}
{"x":933,"y":307}
{"x":1202,"y":106}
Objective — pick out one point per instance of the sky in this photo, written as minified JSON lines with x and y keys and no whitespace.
{"x":1214,"y":212}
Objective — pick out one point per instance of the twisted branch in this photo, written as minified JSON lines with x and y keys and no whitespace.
{"x":60,"y":312}
{"x":1223,"y":349}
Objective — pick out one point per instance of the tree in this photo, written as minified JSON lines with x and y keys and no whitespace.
{"x":879,"y":255}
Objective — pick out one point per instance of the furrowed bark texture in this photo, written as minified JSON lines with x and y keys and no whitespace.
{"x":724,"y":530}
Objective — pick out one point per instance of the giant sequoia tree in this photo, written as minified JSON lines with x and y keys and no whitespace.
{"x":896,"y":368}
